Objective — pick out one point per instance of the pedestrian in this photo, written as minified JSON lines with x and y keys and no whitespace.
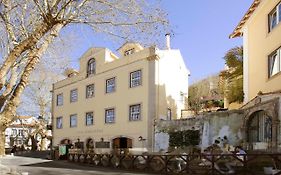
{"x":240,"y":152}
{"x":14,"y":150}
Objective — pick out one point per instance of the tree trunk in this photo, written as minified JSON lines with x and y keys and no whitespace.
{"x":2,"y":141}
{"x":43,"y":144}
{"x":33,"y":143}
{"x":9,"y":112}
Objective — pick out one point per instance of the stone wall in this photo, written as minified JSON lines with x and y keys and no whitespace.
{"x":211,"y":126}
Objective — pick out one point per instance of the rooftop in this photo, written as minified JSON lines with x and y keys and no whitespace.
{"x":237,"y":31}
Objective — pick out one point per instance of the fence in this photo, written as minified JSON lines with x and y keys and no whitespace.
{"x":186,"y":164}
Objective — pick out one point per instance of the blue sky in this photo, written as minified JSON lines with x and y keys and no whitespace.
{"x":201,"y":30}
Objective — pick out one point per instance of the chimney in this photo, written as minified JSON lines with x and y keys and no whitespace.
{"x":168,"y":41}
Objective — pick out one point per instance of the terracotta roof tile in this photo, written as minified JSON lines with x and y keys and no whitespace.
{"x":237,"y":31}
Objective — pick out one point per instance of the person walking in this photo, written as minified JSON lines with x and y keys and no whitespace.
{"x":14,"y":150}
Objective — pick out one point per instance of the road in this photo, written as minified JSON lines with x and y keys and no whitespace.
{"x":38,"y":166}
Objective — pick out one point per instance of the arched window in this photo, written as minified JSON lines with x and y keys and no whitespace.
{"x":91,"y":69}
{"x":260,"y":127}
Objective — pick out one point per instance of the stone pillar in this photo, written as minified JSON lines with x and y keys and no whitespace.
{"x":244,"y":135}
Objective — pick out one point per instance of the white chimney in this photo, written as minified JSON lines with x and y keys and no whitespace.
{"x":168,"y":41}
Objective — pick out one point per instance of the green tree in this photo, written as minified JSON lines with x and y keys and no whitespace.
{"x":233,"y":76}
{"x":194,"y":97}
{"x":203,"y":91}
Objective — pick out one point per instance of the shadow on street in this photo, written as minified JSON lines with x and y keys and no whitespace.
{"x":64,"y":164}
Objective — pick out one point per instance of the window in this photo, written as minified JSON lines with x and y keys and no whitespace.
{"x":110,"y":85}
{"x":59,"y":99}
{"x":182,"y":97}
{"x":90,"y":91}
{"x":135,"y":78}
{"x":274,"y":63}
{"x":20,"y":132}
{"x":89,"y":118}
{"x":129,"y":51}
{"x":109,"y":115}
{"x":135,"y":112}
{"x":73,"y":95}
{"x":259,"y":127}
{"x":274,"y":17}
{"x":14,"y":132}
{"x":91,"y":69}
{"x":73,"y":120}
{"x":169,"y":114}
{"x":59,"y":122}
{"x":279,"y":12}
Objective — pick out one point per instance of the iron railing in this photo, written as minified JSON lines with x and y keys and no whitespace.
{"x":185,"y":164}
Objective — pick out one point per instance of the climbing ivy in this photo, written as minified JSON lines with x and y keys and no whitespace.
{"x":184,"y":138}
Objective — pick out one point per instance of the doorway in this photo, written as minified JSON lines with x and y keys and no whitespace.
{"x":122,"y":142}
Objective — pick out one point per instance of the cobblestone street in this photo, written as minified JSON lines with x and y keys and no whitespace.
{"x":37,"y":166}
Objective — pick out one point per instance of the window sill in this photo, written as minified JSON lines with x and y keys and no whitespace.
{"x":108,"y":123}
{"x":90,"y":75}
{"x":135,"y":120}
{"x":132,"y":87}
{"x":89,"y":125}
{"x":90,"y":97}
{"x":274,"y":29}
{"x":274,"y":76}
{"x":110,"y":92}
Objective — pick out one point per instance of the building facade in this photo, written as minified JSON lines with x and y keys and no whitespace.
{"x":112,"y":102}
{"x":17,"y":132}
{"x":261,"y":31}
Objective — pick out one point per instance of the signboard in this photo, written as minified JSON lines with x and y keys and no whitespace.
{"x":102,"y":144}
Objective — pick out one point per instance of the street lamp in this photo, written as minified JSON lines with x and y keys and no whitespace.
{"x":141,"y":139}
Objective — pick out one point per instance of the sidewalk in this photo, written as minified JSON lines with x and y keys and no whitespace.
{"x":8,"y":170}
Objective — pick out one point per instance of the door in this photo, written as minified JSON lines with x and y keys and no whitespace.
{"x":122,"y":142}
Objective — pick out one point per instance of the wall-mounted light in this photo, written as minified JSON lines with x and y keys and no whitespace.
{"x":141,"y":138}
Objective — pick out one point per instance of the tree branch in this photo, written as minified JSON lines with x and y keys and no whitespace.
{"x":34,"y":55}
{"x":25,"y":45}
{"x":6,"y":18}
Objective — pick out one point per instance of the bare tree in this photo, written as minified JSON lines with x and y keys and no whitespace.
{"x":36,"y":100}
{"x":29,"y":26}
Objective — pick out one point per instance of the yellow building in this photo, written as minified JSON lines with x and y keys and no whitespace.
{"x":261,"y":31}
{"x":113,"y":101}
